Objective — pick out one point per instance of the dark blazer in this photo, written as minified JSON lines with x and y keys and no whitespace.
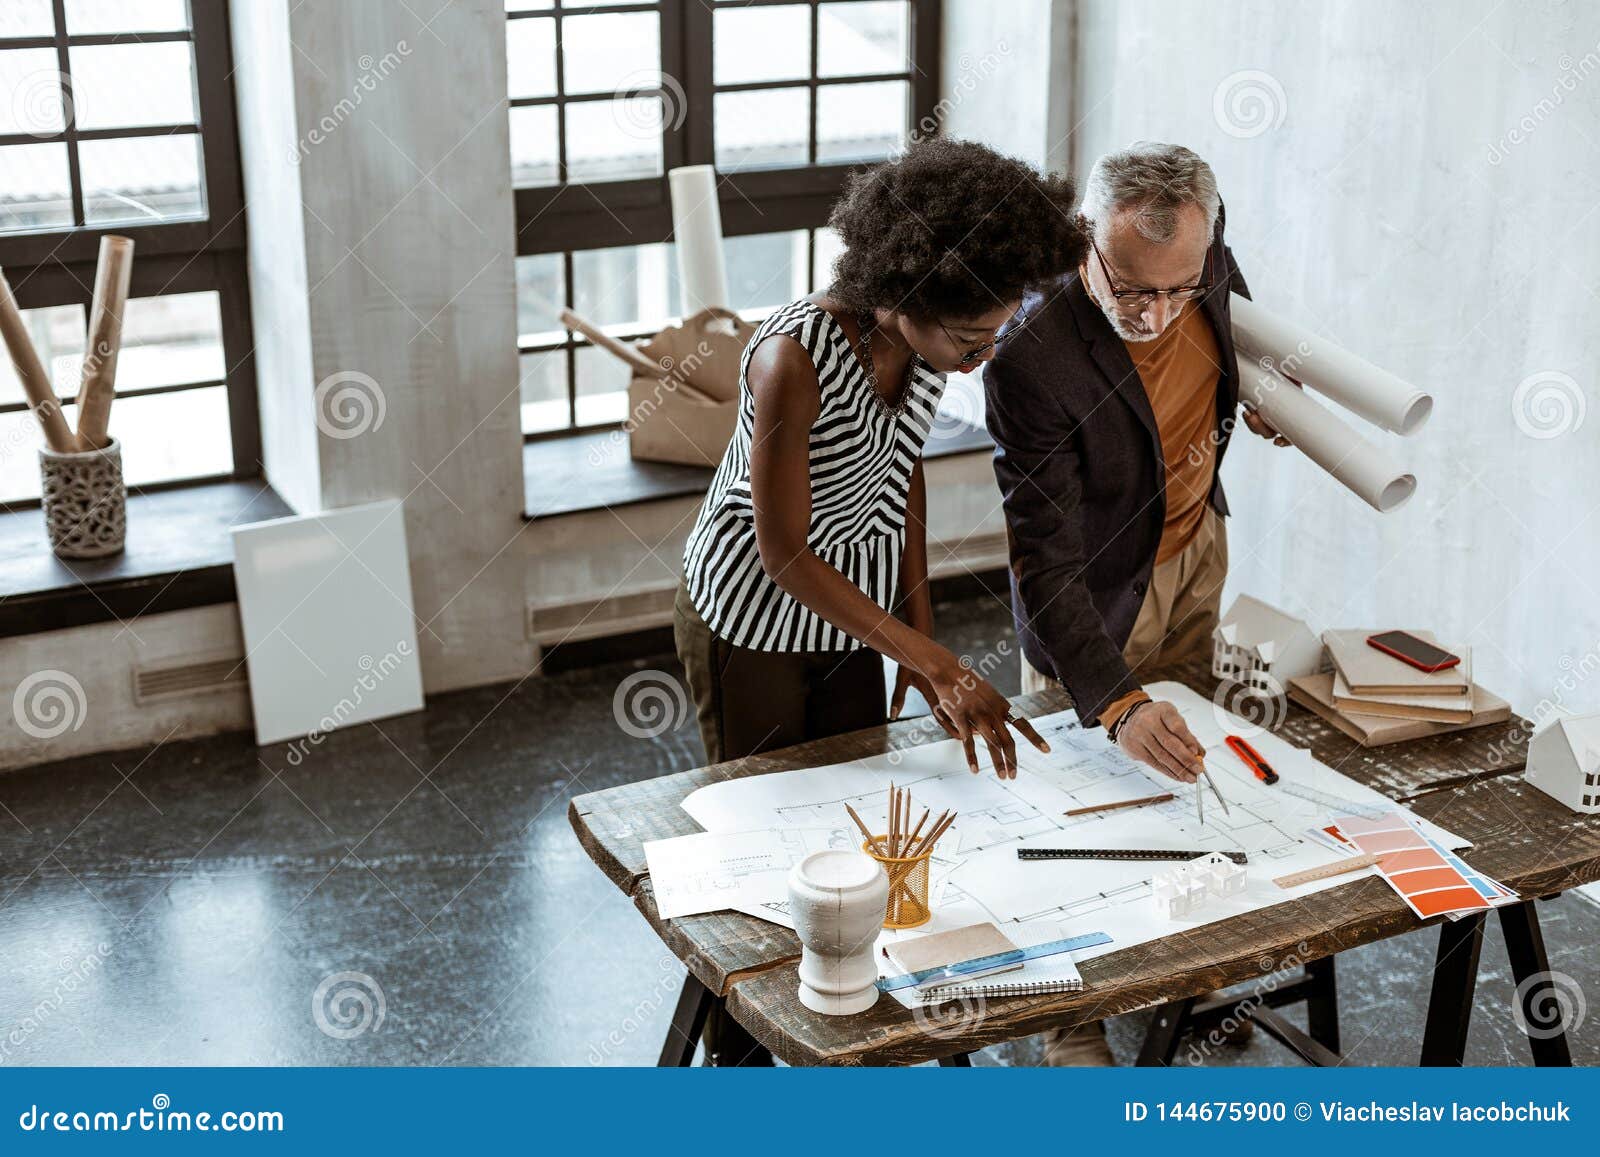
{"x":1081,"y":472}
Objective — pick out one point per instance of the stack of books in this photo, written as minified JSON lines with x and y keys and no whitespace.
{"x":1375,"y":698}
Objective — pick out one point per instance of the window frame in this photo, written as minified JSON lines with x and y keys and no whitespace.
{"x":569,"y":217}
{"x":56,"y":266}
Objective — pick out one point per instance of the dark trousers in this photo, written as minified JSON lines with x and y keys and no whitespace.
{"x":751,"y":701}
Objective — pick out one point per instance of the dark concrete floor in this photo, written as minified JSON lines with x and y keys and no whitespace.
{"x":201,"y":903}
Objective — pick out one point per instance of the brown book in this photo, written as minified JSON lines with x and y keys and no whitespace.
{"x":1435,"y":708}
{"x":1315,"y":694}
{"x":1369,"y":671}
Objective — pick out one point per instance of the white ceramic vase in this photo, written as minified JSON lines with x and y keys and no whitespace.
{"x":837,"y":900}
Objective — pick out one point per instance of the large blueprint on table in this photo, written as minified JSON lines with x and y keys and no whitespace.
{"x":976,"y":873}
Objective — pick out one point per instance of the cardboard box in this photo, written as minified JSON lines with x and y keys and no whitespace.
{"x":687,"y":414}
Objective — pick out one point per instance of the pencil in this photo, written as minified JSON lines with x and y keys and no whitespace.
{"x":916,"y":831}
{"x":932,"y":837}
{"x":872,"y":840}
{"x":915,"y":849}
{"x":937,"y":834}
{"x":1106,"y":807}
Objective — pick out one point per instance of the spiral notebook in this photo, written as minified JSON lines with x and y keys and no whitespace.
{"x":1047,"y":974}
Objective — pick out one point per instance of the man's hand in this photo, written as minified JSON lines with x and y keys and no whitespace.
{"x":1258,"y":425}
{"x":1157,"y":735}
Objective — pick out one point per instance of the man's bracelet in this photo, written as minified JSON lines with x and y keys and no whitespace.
{"x":1116,"y":728}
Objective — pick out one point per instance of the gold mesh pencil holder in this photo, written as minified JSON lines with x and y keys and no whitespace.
{"x":908,"y":887}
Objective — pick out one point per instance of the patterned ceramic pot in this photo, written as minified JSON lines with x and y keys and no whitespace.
{"x":85,"y":501}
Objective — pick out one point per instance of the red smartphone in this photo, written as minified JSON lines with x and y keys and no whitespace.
{"x":1409,"y":649}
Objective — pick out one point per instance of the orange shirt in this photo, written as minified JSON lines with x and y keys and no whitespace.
{"x":1180,"y":370}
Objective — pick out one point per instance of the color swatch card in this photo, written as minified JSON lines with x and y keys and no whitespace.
{"x":1431,"y":879}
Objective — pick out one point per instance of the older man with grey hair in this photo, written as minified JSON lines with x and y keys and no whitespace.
{"x":1111,"y":398}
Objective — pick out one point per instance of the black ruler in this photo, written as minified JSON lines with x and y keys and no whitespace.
{"x":1147,"y":854}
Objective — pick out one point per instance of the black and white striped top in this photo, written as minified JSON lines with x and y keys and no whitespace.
{"x":862,"y":455}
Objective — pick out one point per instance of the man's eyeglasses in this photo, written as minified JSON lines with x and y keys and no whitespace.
{"x":1143,"y":297}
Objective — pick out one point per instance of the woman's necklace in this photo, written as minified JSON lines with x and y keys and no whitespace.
{"x":866,"y":323}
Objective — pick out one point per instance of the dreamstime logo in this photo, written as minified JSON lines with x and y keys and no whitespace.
{"x":20,"y":434}
{"x":1572,"y":74}
{"x":1272,"y":969}
{"x":48,"y":704}
{"x":644,"y":1012}
{"x":373,"y":672}
{"x":1557,"y":1006}
{"x":372,"y":72}
{"x":676,"y":373}
{"x":927,"y":728}
{"x":74,"y":974}
{"x":41,"y":103}
{"x":349,"y":403}
{"x":650,"y":703}
{"x":950,"y":1019}
{"x":1548,"y":404}
{"x":647,"y":103}
{"x":347,"y":1005}
{"x":923,"y":730}
{"x":1248,"y":103}
{"x":959,"y":410}
{"x":1261,"y":705}
{"x":1512,"y":746}
{"x":971,"y":72}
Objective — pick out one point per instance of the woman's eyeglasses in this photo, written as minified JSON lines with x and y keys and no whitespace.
{"x":969,"y":354}
{"x":1143,"y":297}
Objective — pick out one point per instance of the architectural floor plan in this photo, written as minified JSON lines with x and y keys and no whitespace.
{"x":977,"y":875}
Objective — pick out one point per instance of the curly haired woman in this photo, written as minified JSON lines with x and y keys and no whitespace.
{"x":813,"y":532}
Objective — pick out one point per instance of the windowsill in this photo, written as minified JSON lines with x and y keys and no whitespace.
{"x":179,"y":555}
{"x":594,"y":471}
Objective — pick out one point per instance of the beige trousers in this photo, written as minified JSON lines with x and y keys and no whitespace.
{"x":1180,"y":609}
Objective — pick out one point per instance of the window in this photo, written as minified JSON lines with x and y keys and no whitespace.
{"x":783,"y":97}
{"x":116,"y":116}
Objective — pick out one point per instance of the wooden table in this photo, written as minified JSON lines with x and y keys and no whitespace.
{"x":1466,"y":781}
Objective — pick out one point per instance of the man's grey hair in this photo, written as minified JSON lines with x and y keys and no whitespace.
{"x":1152,"y":181}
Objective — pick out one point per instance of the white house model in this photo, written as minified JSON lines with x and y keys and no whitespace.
{"x":1564,"y":762}
{"x":1262,"y":647}
{"x":1184,"y":890}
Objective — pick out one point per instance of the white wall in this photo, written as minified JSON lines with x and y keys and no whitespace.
{"x":1417,"y":181}
{"x":382,"y":236}
{"x":1005,"y":71}
{"x":280,"y":298}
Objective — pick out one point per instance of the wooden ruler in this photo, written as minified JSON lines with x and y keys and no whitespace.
{"x":1337,"y":868}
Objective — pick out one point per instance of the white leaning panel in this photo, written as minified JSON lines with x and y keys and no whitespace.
{"x":325,"y":603}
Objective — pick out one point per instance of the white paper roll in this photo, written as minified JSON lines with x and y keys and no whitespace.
{"x":1366,"y":470}
{"x":697,"y":232}
{"x":1356,"y":384}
